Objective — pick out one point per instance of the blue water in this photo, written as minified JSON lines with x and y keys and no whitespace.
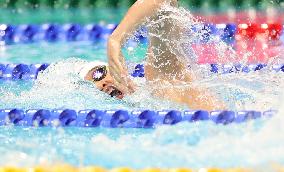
{"x":252,"y":144}
{"x":44,"y":52}
{"x":195,"y":145}
{"x":186,"y":145}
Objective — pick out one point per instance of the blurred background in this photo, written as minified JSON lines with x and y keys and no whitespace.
{"x":193,"y":4}
{"x":254,"y":28}
{"x":85,"y":11}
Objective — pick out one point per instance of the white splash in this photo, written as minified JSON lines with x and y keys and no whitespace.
{"x":194,"y":145}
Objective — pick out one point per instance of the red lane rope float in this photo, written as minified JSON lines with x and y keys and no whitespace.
{"x":250,"y":31}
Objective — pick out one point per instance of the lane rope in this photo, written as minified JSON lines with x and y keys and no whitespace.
{"x":123,"y":118}
{"x":29,"y":33}
{"x":27,"y":72}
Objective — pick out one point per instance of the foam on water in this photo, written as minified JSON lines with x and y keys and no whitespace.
{"x":57,"y":86}
{"x":254,"y":144}
{"x":240,"y":91}
{"x":61,"y":87}
{"x":194,"y":145}
{"x":260,"y":90}
{"x":200,"y":145}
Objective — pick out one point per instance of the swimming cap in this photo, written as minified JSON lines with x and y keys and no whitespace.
{"x":85,"y":69}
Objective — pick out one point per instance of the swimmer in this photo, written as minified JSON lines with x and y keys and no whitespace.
{"x":161,"y":62}
{"x":98,"y":73}
{"x":161,"y":67}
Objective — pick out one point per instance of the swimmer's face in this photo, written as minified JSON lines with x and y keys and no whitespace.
{"x":101,"y":77}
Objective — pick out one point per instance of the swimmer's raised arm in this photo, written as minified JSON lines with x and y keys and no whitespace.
{"x":134,"y":17}
{"x":136,"y":14}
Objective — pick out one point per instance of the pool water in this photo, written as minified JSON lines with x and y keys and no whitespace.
{"x":185,"y":145}
{"x":44,"y":52}
{"x":195,"y":145}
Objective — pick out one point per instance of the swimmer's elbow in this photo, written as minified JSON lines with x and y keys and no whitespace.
{"x":113,"y":47}
{"x":113,"y":42}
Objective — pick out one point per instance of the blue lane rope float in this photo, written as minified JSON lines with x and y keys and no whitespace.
{"x":139,"y":70}
{"x":122,"y":118}
{"x":28,"y":33}
{"x":30,"y":71}
{"x":225,"y":69}
{"x":21,"y":71}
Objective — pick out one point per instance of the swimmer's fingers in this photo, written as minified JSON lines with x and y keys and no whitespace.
{"x":120,"y":75}
{"x":117,"y":75}
{"x":125,"y":84}
{"x":131,"y":86}
{"x":118,"y":72}
{"x":117,"y":64}
{"x":116,"y":68}
{"x":119,"y":78}
{"x":121,"y":87}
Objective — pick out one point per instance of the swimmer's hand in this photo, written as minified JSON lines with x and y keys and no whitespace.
{"x":135,"y":16}
{"x":118,"y":69}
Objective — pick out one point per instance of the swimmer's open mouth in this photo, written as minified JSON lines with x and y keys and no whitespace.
{"x":112,"y":91}
{"x":115,"y":93}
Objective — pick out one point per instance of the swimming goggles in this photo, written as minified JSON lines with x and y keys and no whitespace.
{"x":99,"y":73}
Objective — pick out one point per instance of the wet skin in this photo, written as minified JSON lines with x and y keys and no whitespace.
{"x":162,"y":65}
{"x":106,"y":84}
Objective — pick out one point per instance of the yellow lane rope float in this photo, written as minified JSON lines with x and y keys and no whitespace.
{"x":67,"y":168}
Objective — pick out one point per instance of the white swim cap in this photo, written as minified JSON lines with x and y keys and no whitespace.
{"x":85,"y":69}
